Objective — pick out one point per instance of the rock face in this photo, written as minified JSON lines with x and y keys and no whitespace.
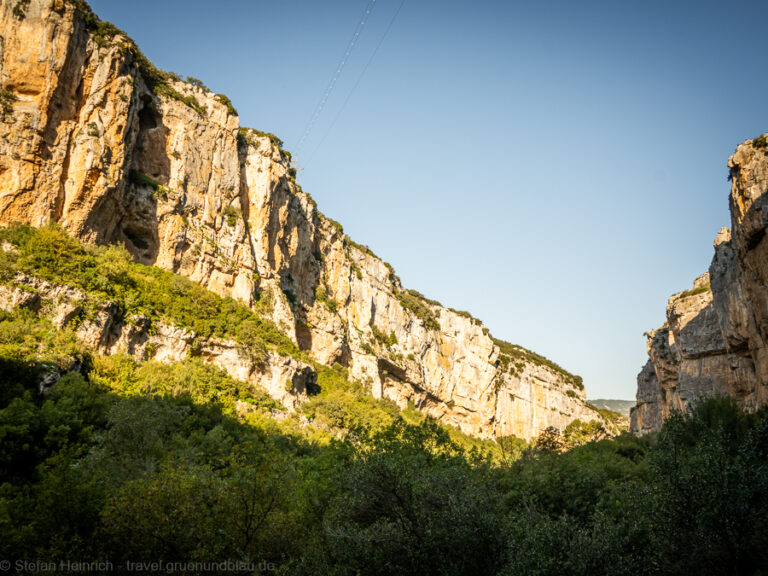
{"x":95,"y":138}
{"x":714,"y":342}
{"x":104,"y":331}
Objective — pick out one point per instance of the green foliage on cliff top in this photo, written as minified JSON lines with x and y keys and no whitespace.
{"x":694,"y":291}
{"x":224,"y":99}
{"x":420,"y":307}
{"x":103,"y":34}
{"x":513,"y":351}
{"x":247,"y":136}
{"x":196,"y":82}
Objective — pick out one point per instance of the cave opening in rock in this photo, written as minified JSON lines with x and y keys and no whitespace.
{"x":147,"y":114}
{"x":137,"y":238}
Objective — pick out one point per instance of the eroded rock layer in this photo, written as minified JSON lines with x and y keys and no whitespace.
{"x":97,"y":139}
{"x":714,"y":341}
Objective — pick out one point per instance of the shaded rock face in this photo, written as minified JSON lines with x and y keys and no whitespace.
{"x":715,"y":341}
{"x":87,"y":144}
{"x":646,"y":415}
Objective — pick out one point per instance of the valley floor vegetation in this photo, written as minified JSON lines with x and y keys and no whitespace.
{"x":122,"y":461}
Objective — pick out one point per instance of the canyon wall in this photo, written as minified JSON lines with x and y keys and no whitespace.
{"x":97,"y":139}
{"x":714,"y":341}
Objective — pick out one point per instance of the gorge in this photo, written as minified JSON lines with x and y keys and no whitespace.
{"x":201,"y":373}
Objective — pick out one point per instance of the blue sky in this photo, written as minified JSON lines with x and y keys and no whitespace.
{"x":556,"y":168}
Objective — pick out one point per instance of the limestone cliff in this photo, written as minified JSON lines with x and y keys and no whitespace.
{"x":94,"y":137}
{"x":715,"y":338}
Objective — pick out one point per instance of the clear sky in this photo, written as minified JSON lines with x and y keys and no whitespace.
{"x":556,"y":168}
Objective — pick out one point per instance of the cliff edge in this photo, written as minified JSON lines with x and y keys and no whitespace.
{"x":716,"y":335}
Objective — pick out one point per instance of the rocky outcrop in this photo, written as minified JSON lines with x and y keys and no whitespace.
{"x":714,"y":342}
{"x":96,"y":139}
{"x":104,"y":330}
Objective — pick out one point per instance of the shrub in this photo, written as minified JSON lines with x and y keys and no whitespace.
{"x":420,"y":307}
{"x":196,"y":82}
{"x":709,"y":509}
{"x":246,"y":137}
{"x":387,"y":340}
{"x":321,"y":295}
{"x":337,"y":225}
{"x":356,"y":270}
{"x":368,"y":349}
{"x":232,"y":214}
{"x":578,"y":433}
{"x":410,"y":505}
{"x":159,"y":191}
{"x":227,"y":102}
{"x":20,"y":9}
{"x":164,"y":89}
{"x":7,"y":99}
{"x":272,"y":138}
{"x":104,"y":32}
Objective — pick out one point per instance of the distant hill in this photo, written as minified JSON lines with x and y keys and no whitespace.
{"x":620,"y":406}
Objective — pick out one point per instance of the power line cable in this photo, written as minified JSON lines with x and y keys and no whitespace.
{"x":359,"y":79}
{"x":337,"y":73}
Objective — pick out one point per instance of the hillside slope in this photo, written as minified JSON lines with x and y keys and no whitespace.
{"x":97,"y":139}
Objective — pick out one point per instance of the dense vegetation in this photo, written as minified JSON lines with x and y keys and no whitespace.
{"x":107,"y":274}
{"x":103,"y":466}
{"x":131,"y":461}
